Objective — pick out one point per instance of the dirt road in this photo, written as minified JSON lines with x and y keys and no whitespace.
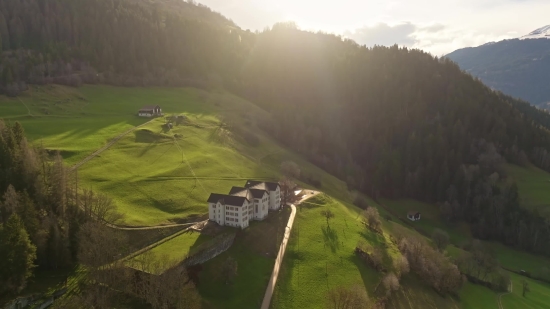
{"x":273,"y":280}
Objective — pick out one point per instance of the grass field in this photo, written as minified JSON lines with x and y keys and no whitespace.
{"x":537,"y":298}
{"x":175,"y":250}
{"x":475,"y":296}
{"x":254,"y":250}
{"x":430,"y":219}
{"x":153,"y":177}
{"x":519,"y":260}
{"x":320,"y":257}
{"x":156,"y":178}
{"x":534,"y":186}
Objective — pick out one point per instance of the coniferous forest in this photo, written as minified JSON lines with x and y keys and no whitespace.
{"x":390,"y":121}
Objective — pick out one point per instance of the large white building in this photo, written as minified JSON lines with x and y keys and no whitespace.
{"x":244,"y":204}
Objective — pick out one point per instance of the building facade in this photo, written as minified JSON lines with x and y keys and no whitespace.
{"x":244,"y":204}
{"x":150,"y":111}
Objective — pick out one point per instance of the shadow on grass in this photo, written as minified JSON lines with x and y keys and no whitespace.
{"x":369,"y":276}
{"x":330,"y":238}
{"x":203,"y":241}
{"x":307,"y":205}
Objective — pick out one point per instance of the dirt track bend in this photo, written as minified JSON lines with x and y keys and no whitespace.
{"x":502,"y":294}
{"x":102,"y":149}
{"x":273,"y":280}
{"x":107,"y":146}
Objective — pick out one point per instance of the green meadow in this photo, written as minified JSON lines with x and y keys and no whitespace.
{"x":430,"y":218}
{"x":154,"y":176}
{"x":254,"y":250}
{"x":320,"y":256}
{"x":537,"y":298}
{"x":533,"y":185}
{"x":173,"y":251}
{"x":158,"y":176}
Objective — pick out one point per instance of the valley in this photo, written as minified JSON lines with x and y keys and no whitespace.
{"x":156,"y":178}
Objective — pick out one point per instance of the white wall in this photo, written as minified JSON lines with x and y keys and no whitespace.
{"x":275,"y":199}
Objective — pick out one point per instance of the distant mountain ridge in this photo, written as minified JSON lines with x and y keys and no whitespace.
{"x":517,"y":67}
{"x":540,"y":33}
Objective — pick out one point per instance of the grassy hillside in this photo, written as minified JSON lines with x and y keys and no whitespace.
{"x":537,"y":298}
{"x":534,"y":186}
{"x":158,"y":176}
{"x":153,"y":176}
{"x":320,"y":257}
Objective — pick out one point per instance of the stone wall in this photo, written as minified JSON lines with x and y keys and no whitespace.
{"x":212,"y":249}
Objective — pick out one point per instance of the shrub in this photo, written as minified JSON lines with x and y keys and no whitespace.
{"x":251,"y":138}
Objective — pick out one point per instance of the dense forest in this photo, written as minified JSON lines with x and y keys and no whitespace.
{"x":48,"y":223}
{"x":39,"y":222}
{"x":389,"y":121}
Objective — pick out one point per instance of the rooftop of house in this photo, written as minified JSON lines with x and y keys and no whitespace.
{"x":248,"y":193}
{"x":267,"y":186}
{"x":225,"y":199}
{"x":149,"y":107}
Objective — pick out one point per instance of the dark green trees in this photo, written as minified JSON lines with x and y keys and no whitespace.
{"x":17,"y":255}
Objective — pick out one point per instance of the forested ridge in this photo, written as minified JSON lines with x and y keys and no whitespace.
{"x":390,"y":121}
{"x":516,"y":67}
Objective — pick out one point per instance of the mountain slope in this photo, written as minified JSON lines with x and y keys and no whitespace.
{"x":541,"y":33}
{"x":518,"y":67}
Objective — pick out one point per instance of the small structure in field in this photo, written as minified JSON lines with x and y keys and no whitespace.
{"x":413,"y":215}
{"x":150,"y":111}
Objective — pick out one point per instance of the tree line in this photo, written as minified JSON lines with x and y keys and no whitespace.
{"x":397,"y":123}
{"x":48,"y":222}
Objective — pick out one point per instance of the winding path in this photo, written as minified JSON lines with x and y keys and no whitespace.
{"x":102,"y":149}
{"x":502,"y":294}
{"x":107,"y":146}
{"x":273,"y":280}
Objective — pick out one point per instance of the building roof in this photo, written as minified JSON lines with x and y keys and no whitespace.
{"x":225,"y":199}
{"x":238,"y":191}
{"x":248,"y":193}
{"x":268,"y":186}
{"x":234,"y":200}
{"x":149,"y":108}
{"x":215,"y":197}
{"x":258,"y":193}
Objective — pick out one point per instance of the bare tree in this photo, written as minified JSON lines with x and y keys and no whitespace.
{"x":328,"y":215}
{"x":440,"y":239}
{"x":99,"y":245}
{"x":390,"y":283}
{"x":371,"y":219}
{"x":354,"y":297}
{"x":525,"y":286}
{"x":401,"y":265}
{"x":9,"y":203}
{"x":290,"y":169}
{"x":100,"y":207}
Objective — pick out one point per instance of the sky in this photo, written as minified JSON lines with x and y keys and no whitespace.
{"x":436,"y":26}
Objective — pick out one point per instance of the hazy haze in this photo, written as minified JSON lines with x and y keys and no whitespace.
{"x":435,"y":26}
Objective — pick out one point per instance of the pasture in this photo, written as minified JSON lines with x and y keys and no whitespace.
{"x":533,"y":185}
{"x":537,"y":298}
{"x":171,"y":252}
{"x":155,"y":176}
{"x":254,"y":250}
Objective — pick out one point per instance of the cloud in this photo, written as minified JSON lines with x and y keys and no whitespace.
{"x":384,"y":34}
{"x":433,"y":28}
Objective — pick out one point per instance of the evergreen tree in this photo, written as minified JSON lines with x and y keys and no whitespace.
{"x":17,"y":255}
